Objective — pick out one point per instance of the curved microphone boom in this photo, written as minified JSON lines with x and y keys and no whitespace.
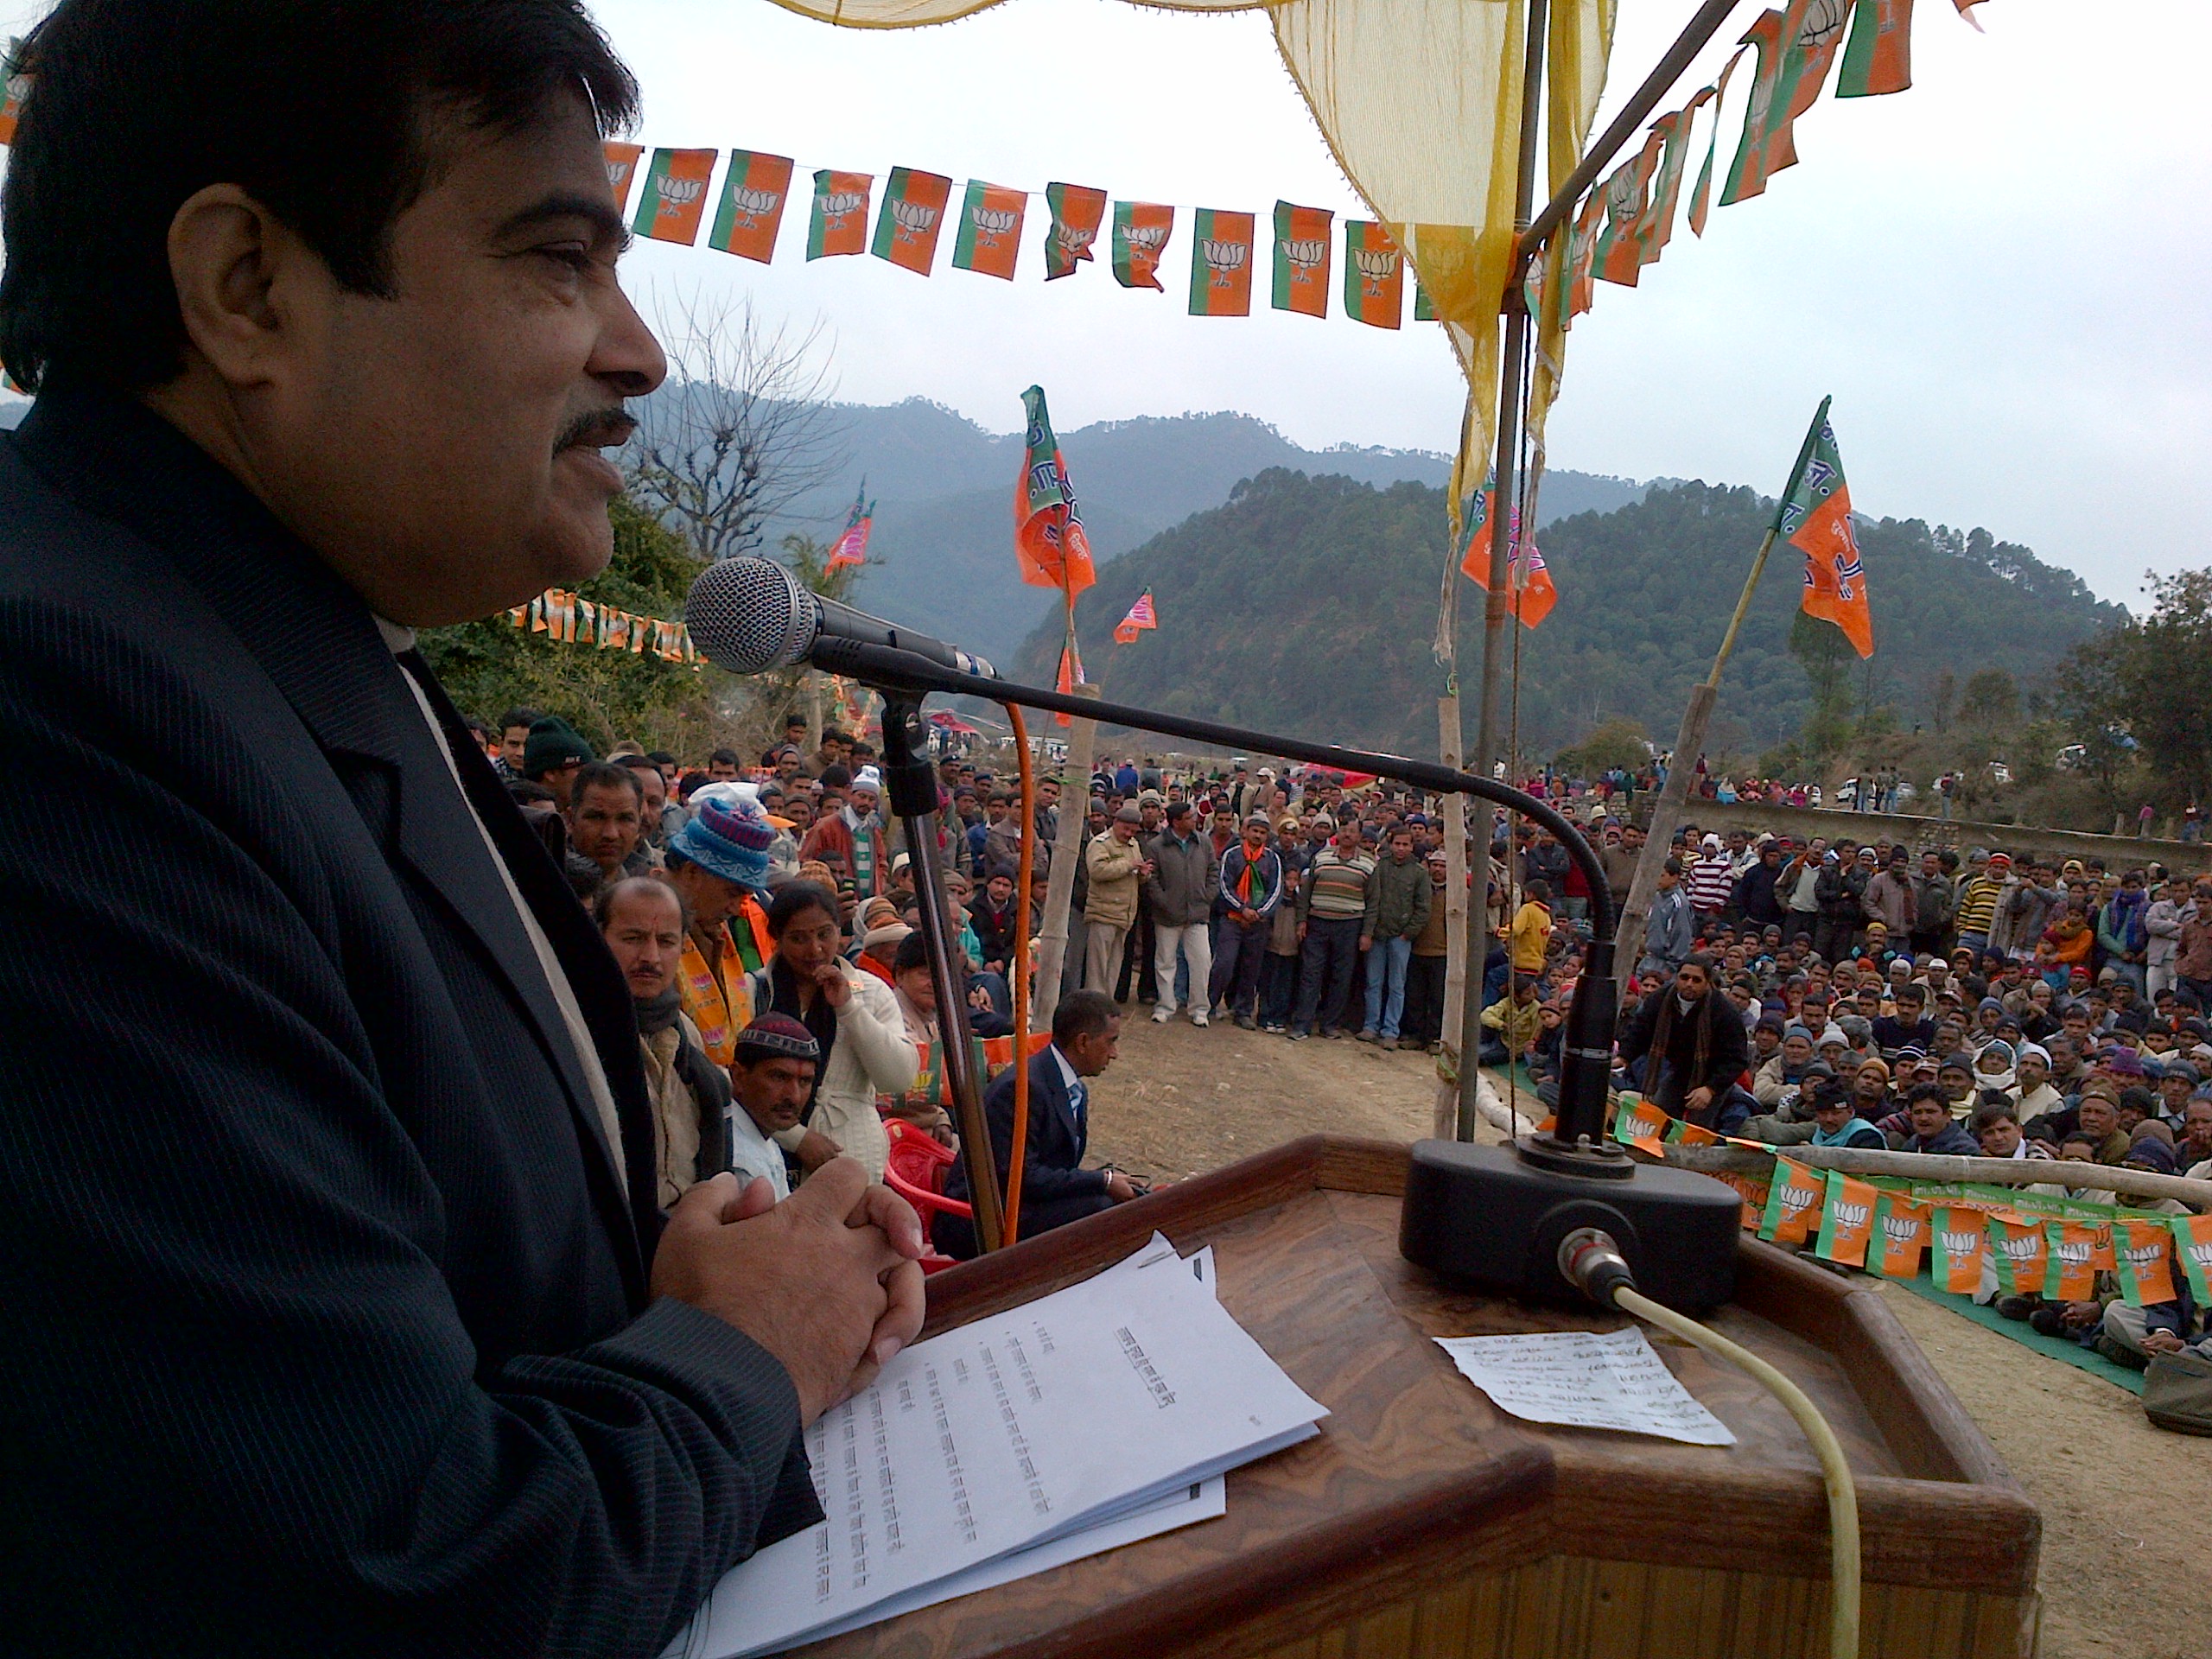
{"x":750,"y":615}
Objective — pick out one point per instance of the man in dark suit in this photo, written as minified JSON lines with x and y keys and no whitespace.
{"x":1055,"y":1187}
{"x":339,"y":1316}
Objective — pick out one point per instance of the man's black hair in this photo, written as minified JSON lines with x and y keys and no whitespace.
{"x":604,"y":774}
{"x":1921,"y":1092}
{"x":524,"y":718}
{"x":326,"y":114}
{"x":1082,"y":1014}
{"x":661,"y":758}
{"x":723,"y":758}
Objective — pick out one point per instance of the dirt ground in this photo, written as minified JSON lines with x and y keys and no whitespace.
{"x":2126,"y":1553}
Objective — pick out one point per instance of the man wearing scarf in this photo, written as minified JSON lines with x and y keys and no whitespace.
{"x":1251,"y":888}
{"x":850,"y":840}
{"x":643,"y":921}
{"x":1693,"y":1047}
{"x":718,"y":864}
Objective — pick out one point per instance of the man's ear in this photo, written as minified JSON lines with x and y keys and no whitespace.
{"x":241,"y":276}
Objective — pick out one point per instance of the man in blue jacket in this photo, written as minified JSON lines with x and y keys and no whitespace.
{"x":1251,"y":889}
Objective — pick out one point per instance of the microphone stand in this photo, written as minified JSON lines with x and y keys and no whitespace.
{"x":1577,"y":1145}
{"x":909,"y":782}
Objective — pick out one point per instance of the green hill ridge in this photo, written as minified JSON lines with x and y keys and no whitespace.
{"x":1307,"y":605}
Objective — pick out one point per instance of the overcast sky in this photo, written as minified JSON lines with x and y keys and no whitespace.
{"x":1999,"y":274}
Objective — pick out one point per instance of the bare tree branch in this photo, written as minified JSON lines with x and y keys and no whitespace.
{"x":742,"y":428}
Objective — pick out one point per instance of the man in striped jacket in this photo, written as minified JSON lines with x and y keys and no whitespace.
{"x":1251,"y":891}
{"x":1713,"y":879}
{"x":1336,"y":912}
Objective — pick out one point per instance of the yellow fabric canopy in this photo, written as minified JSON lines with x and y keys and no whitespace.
{"x":1420,"y":101}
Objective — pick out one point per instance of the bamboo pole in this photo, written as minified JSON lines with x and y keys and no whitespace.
{"x":1445,"y":1125}
{"x":1932,"y":1167}
{"x":1059,"y":885}
{"x":1689,"y":741}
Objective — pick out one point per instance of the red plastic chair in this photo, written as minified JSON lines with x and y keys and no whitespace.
{"x":915,"y":1171}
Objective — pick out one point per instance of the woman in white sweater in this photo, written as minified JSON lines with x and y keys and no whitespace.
{"x":853,"y":1014}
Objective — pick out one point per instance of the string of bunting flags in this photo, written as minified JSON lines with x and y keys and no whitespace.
{"x":2032,"y":1243}
{"x":574,"y":619}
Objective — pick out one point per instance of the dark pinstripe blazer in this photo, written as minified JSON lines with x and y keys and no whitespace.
{"x":323,"y":1320}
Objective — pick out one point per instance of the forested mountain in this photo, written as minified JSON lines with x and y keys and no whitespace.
{"x":1308,"y":605}
{"x":944,"y":489}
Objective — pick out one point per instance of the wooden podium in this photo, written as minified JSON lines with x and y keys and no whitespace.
{"x":1425,"y":1522}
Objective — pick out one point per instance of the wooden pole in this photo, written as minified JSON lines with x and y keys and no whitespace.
{"x":1930,"y":1166}
{"x":1456,"y":935}
{"x":1689,"y":741}
{"x":1059,"y":885}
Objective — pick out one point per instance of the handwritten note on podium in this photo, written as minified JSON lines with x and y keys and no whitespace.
{"x":1585,"y":1379}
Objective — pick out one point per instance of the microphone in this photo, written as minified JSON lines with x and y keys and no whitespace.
{"x":750,"y":615}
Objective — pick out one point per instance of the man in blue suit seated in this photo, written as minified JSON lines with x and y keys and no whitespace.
{"x":1055,"y":1187}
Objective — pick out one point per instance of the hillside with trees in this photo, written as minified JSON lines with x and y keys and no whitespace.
{"x":1308,"y":604}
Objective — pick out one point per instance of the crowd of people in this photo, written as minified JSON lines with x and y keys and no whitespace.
{"x":1828,"y":994}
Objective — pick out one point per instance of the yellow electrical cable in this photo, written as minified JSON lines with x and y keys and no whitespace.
{"x":1843,"y":1494}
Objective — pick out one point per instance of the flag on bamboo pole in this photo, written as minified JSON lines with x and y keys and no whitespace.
{"x":1815,"y":517}
{"x":840,"y":221}
{"x":1048,"y":537}
{"x":751,"y":211}
{"x":1301,"y":272}
{"x":1530,"y":593}
{"x":913,"y":216}
{"x":1221,"y":262}
{"x":989,"y":239}
{"x":674,"y":199}
{"x":1141,"y":616}
{"x":1140,"y":234}
{"x":1701,"y":198}
{"x":1877,"y":59}
{"x":621,"y":170}
{"x":1620,"y":255}
{"x":851,"y":545}
{"x":1375,"y":277}
{"x":1077,"y":211}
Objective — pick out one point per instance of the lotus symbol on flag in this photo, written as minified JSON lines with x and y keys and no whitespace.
{"x":1960,"y":1244}
{"x":1899,"y":1230}
{"x":1073,"y":240}
{"x":1303,"y":254}
{"x":680,"y":193}
{"x":838,"y":203}
{"x":914,"y":218}
{"x":993,"y":221}
{"x":1851,"y":1215}
{"x":1224,"y":257}
{"x":1145,"y":238}
{"x":616,"y":171}
{"x":753,"y":205}
{"x":1376,"y":264}
{"x":1620,"y":199}
{"x":1823,"y":23}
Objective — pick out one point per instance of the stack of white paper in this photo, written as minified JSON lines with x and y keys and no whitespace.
{"x":1094,"y":1417}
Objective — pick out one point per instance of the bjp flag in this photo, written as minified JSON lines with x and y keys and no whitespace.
{"x":1076,"y":211}
{"x":752,"y":209}
{"x":2146,"y":1251}
{"x":1961,"y":1239}
{"x":1071,"y":675}
{"x":1795,"y":1197}
{"x":2073,"y":1247}
{"x":1878,"y":57}
{"x":912,"y":217}
{"x":1375,"y":277}
{"x":1302,"y":259}
{"x":1642,"y":1124}
{"x":1140,"y":234}
{"x":674,"y":199}
{"x":1140,"y":617}
{"x":989,"y":238}
{"x":1221,"y":263}
{"x":1048,"y":536}
{"x":840,"y":221}
{"x":621,"y":171}
{"x":1816,"y":518}
{"x":1900,"y":1233}
{"x":1847,"y":1221}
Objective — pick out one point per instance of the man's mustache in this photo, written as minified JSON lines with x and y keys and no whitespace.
{"x":597,"y":429}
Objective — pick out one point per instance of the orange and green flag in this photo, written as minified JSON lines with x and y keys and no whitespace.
{"x":1746,"y":174}
{"x":1141,"y":616}
{"x":1077,"y":211}
{"x":1140,"y":234}
{"x":1302,"y":259}
{"x":1048,"y":536}
{"x":991,"y":229}
{"x":1530,"y":593}
{"x":2073,"y":1247}
{"x":674,"y":199}
{"x":1221,"y":262}
{"x":1847,"y":1221}
{"x":1815,"y":517}
{"x":622,"y":172}
{"x":851,"y":545}
{"x":2193,"y":1249}
{"x":1620,"y":246}
{"x":839,"y":224}
{"x":912,"y":218}
{"x":1792,"y":1205}
{"x":1375,"y":277}
{"x":1877,"y":59}
{"x":1701,"y":198}
{"x":1674,"y":133}
{"x":2020,"y":1251}
{"x":1643,"y":1124}
{"x":1901,"y":1234}
{"x":2143,"y":1254}
{"x":751,"y":211}
{"x":1582,"y":263}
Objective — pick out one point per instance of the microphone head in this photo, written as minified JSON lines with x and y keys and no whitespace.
{"x":750,"y":615}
